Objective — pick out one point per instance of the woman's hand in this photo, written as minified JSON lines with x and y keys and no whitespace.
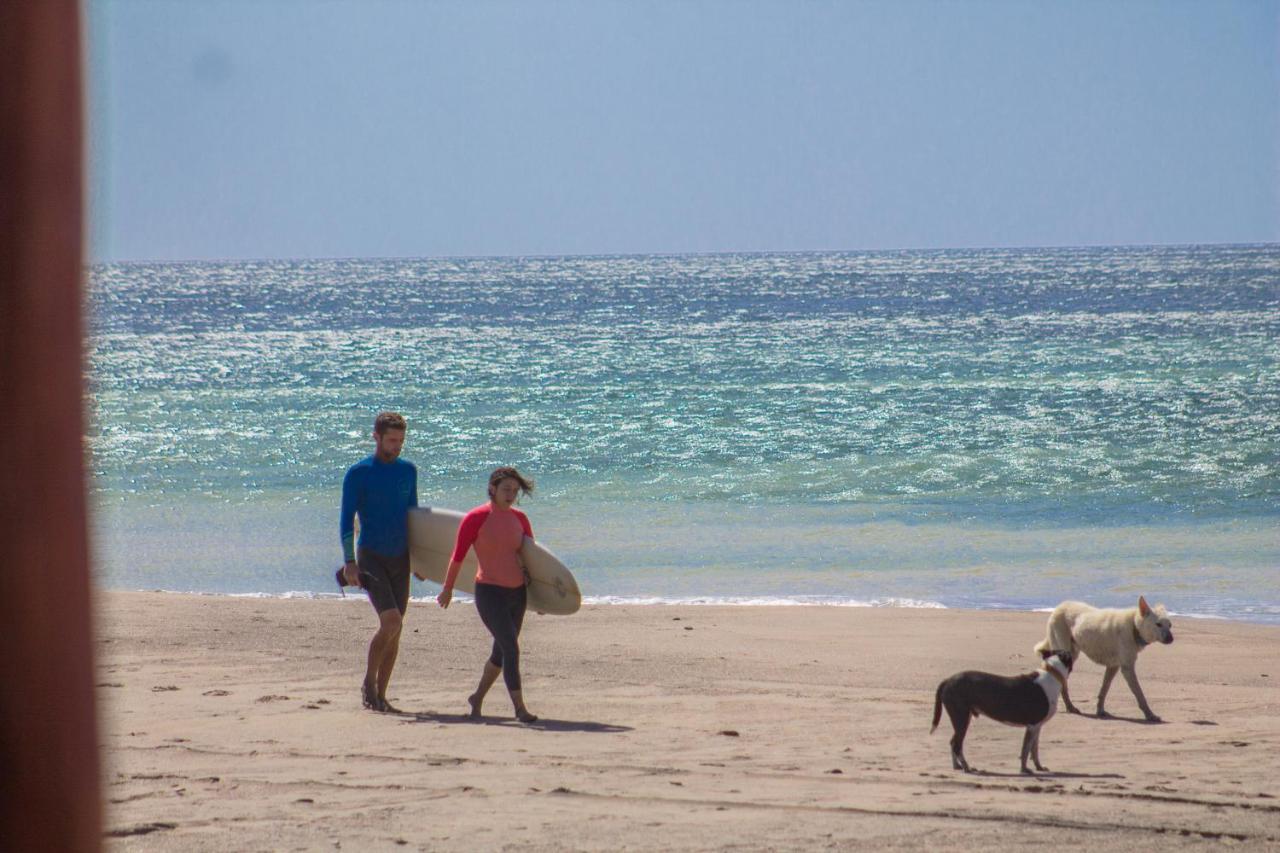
{"x":445,"y":596}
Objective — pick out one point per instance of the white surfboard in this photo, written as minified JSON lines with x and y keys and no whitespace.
{"x":432,"y":533}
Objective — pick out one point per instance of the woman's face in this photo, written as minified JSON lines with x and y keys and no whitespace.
{"x":506,"y":492}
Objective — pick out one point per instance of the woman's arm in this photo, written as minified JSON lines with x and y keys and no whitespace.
{"x":446,"y":594}
{"x":468,"y":530}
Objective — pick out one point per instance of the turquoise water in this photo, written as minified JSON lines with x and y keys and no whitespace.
{"x":997,"y":428}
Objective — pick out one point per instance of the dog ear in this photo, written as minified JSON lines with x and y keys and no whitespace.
{"x":1065,"y":657}
{"x":1045,"y":654}
{"x":1143,"y":609}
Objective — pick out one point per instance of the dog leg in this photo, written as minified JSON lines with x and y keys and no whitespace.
{"x":1066,"y":700}
{"x":1035,"y":750}
{"x":960,"y":721}
{"x":1102,"y":693}
{"x":1131,"y":676}
{"x":1031,"y":747}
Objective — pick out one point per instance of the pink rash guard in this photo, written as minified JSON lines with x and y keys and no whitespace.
{"x":496,"y":535}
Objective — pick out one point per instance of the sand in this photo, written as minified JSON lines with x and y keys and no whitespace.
{"x":235,"y":724}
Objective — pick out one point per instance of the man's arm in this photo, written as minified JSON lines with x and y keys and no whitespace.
{"x":347,"y":527}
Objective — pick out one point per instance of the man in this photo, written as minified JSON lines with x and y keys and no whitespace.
{"x":380,"y":489}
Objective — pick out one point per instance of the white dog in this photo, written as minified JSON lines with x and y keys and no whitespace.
{"x":1111,"y":638}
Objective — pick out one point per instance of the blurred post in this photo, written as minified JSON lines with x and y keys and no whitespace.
{"x":49,"y":785}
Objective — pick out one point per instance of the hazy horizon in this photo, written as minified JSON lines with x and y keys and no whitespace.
{"x":885,"y":250}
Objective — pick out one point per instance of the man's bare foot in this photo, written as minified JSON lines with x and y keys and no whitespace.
{"x":475,"y":706}
{"x":369,"y":695}
{"x":387,"y":707}
{"x":523,"y":715}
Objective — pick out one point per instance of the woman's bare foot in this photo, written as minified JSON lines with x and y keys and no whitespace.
{"x":474,"y":701}
{"x":523,"y":715}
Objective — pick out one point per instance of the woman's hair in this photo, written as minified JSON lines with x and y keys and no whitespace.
{"x":508,"y":473}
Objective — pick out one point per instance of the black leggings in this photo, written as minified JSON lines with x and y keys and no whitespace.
{"x":502,"y":612}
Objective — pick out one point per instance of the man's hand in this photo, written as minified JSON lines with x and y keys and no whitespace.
{"x":351,"y":573}
{"x":445,"y":596}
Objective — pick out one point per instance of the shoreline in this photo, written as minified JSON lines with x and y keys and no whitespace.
{"x":705,"y":601}
{"x":235,"y":722}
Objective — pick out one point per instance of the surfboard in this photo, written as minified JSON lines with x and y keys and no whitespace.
{"x":432,"y":532}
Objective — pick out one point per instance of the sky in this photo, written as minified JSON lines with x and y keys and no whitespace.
{"x":226,"y":129}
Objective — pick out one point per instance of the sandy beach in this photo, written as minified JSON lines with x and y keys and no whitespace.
{"x":235,"y":724}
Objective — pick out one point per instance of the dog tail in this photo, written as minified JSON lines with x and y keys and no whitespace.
{"x":937,"y":708}
{"x":1054,"y":634}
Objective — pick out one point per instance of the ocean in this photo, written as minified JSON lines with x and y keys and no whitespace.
{"x":968,"y":428}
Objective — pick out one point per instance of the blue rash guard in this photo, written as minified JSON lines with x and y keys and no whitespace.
{"x":381,"y":493}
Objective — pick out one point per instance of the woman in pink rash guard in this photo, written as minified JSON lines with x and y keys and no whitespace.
{"x":496,"y":530}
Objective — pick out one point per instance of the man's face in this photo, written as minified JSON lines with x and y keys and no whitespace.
{"x":390,"y":443}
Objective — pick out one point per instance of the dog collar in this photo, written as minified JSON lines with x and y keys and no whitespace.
{"x":1062,"y":681}
{"x":1137,"y":638}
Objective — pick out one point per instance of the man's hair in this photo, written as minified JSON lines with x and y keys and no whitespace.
{"x":388,"y":420}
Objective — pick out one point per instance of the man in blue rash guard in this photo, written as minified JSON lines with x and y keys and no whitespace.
{"x":380,"y":489}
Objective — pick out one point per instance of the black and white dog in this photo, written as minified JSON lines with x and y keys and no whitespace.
{"x":1022,"y":700}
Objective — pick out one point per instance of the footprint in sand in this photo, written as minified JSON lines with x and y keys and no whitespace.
{"x":216,"y":693}
{"x":140,"y":829}
{"x":163,"y":688}
{"x":274,"y":697}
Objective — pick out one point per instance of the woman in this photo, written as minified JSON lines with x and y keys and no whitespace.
{"x":496,"y":530}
